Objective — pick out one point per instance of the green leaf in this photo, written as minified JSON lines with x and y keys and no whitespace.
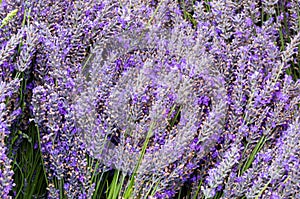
{"x":9,"y":17}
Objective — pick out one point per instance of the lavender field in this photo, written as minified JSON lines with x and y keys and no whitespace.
{"x":154,"y":99}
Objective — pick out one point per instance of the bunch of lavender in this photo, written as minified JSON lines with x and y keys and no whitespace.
{"x":213,"y":94}
{"x":262,"y":100}
{"x":165,"y":101}
{"x":119,"y":118}
{"x":65,"y":42}
{"x":17,"y":49}
{"x":30,"y":31}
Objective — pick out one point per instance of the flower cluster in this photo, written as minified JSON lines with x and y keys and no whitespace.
{"x":175,"y":95}
{"x":274,"y":173}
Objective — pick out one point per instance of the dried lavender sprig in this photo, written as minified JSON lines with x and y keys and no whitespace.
{"x":217,"y":175}
{"x":28,"y":48}
{"x":8,"y":49}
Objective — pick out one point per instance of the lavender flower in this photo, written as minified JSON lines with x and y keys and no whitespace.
{"x":217,"y":175}
{"x":6,"y":121}
{"x":28,"y":49}
{"x":6,"y":181}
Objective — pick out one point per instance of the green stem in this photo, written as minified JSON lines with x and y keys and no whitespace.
{"x":250,"y":159}
{"x":22,"y":181}
{"x":40,"y":149}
